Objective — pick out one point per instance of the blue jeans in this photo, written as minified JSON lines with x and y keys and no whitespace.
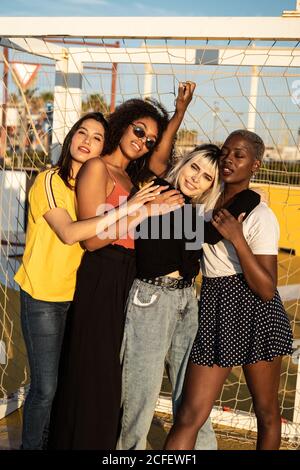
{"x":43,"y":325}
{"x":160,"y":328}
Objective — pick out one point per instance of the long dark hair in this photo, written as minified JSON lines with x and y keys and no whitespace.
{"x":123,"y":116}
{"x":65,"y":160}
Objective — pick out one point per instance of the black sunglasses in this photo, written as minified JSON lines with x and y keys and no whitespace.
{"x":140,"y":133}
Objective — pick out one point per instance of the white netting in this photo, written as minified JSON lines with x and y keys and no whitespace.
{"x":239,"y":84}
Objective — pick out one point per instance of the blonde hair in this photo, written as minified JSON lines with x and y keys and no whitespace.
{"x":211,"y":153}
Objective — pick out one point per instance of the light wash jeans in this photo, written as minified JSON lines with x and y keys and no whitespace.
{"x":160,"y":328}
{"x":43,"y":326}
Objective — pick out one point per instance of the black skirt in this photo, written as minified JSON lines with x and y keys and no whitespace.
{"x":236,"y":327}
{"x":86,"y":410}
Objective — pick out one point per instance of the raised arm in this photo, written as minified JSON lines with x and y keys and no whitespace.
{"x":159,"y":159}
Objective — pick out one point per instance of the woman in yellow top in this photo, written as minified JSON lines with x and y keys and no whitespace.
{"x":47,"y":275}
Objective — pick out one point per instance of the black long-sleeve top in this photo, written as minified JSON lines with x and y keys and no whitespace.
{"x":158,"y":255}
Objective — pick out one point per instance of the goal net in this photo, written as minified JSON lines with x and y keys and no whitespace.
{"x":49,"y":80}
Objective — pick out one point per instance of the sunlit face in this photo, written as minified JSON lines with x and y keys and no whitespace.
{"x":88,"y":141}
{"x":131,"y":145}
{"x":196,"y":177}
{"x":238,"y":160}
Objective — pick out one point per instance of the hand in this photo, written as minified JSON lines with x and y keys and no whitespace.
{"x":230,"y":228}
{"x":148,"y":193}
{"x":184,"y":96}
{"x":166,"y":202}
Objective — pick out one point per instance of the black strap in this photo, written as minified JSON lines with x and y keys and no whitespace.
{"x":245,"y":201}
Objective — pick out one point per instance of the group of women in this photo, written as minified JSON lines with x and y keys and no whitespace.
{"x":102,"y":318}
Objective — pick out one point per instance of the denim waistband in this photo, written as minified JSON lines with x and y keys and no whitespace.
{"x":170,"y":282}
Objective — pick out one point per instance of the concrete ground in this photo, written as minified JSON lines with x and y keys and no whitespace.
{"x":10,"y":434}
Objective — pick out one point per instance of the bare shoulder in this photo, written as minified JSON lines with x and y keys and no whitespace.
{"x":94,"y":164}
{"x":93,"y":169}
{"x":91,"y":187}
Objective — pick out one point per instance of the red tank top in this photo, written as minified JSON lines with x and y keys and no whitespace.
{"x":113,"y":198}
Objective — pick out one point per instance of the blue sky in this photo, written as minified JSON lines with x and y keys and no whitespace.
{"x":145,"y":7}
{"x":211,"y":89}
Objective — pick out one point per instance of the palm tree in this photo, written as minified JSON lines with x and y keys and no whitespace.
{"x":47,"y":96}
{"x":95,"y":102}
{"x":13,"y":99}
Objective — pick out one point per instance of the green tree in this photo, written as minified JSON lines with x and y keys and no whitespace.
{"x":13,"y":99}
{"x":95,"y":102}
{"x":47,"y":96}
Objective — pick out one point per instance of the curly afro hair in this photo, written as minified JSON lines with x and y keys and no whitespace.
{"x":123,"y":116}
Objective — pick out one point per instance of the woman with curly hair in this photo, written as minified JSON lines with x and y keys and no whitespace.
{"x":87,"y":408}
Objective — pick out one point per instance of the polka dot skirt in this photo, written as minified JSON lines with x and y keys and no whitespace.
{"x":236,"y":327}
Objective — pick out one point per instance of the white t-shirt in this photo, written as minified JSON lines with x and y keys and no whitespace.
{"x":261,"y":231}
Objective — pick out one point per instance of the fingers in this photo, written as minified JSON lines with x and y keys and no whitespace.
{"x":161,"y":188}
{"x":168,"y":198}
{"x":215,"y":224}
{"x":146,"y":186}
{"x":241,"y":217}
{"x":142,"y":185}
{"x":181,"y":89}
{"x":190,"y":86}
{"x":149,"y":189}
{"x":225,"y":212}
{"x":219,"y":217}
{"x":174,"y":199}
{"x":193,"y":86}
{"x":147,"y":198}
{"x":169,"y":193}
{"x":186,"y":89}
{"x":222,"y":215}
